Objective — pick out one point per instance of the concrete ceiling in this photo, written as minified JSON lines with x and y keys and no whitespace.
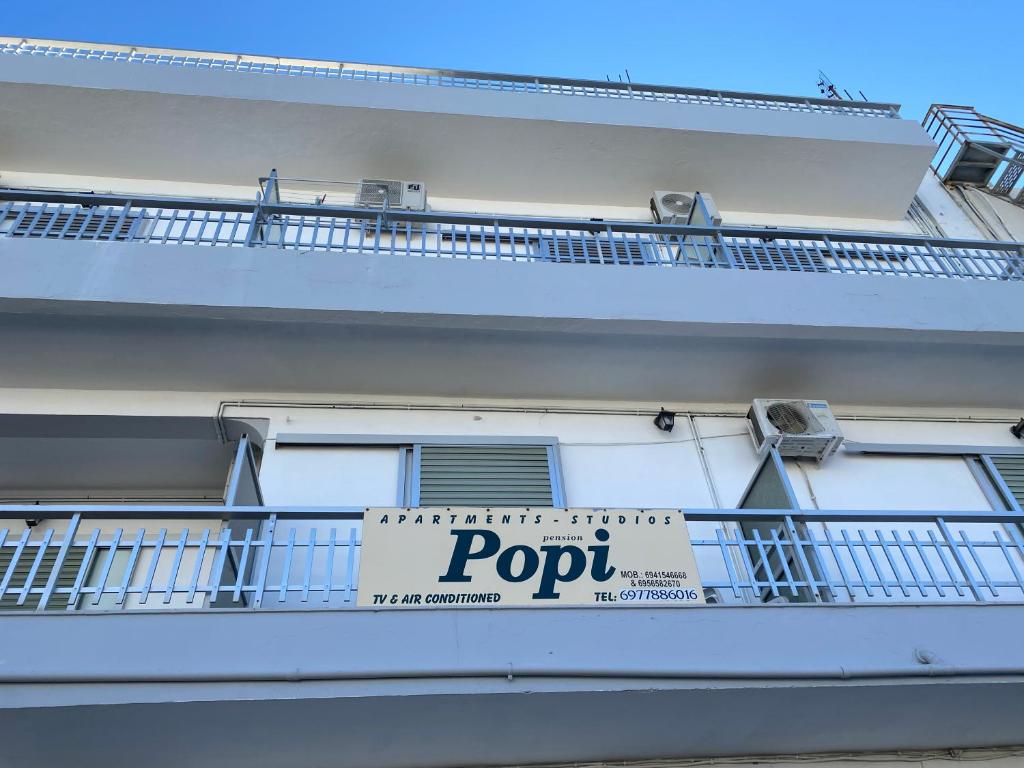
{"x":230,"y":128}
{"x":133,"y":352}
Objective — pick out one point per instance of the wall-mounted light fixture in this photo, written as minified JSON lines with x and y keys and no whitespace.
{"x":665,"y":420}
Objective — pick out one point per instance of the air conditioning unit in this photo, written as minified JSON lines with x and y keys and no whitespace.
{"x":403,"y":195}
{"x":696,"y":208}
{"x":802,"y":428}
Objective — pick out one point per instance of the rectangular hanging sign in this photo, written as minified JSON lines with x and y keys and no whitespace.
{"x":457,"y":557}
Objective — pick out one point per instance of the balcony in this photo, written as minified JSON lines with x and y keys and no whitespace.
{"x":346,"y":229}
{"x":438,"y":303}
{"x":977,"y":150}
{"x":239,"y":618}
{"x":189,"y":116}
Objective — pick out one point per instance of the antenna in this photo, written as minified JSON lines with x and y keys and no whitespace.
{"x":830,"y":90}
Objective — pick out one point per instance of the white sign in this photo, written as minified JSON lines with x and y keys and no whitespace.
{"x":465,"y":556}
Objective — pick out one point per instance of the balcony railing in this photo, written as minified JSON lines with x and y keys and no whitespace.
{"x":294,"y":557}
{"x":59,"y":215}
{"x":400,"y":75}
{"x":977,"y":150}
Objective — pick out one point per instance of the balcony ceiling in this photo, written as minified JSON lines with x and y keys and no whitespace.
{"x":141,"y":121}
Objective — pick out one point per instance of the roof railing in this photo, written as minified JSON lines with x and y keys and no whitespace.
{"x":404,"y":75}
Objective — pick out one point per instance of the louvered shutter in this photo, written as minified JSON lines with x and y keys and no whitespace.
{"x":1011,"y":470}
{"x":66,"y":579}
{"x":76,"y":223}
{"x":485,"y":476}
{"x":591,"y":249}
{"x":787,"y":258}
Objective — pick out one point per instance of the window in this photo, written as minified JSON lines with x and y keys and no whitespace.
{"x":483,"y":476}
{"x":452,"y":470}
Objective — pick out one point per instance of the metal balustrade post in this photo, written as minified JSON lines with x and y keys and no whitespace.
{"x":269,"y":194}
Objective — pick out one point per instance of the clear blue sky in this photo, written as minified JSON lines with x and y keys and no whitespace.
{"x":914,"y":52}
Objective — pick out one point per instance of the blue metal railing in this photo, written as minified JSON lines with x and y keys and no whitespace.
{"x":401,"y":75}
{"x":106,"y":557}
{"x":235,"y":223}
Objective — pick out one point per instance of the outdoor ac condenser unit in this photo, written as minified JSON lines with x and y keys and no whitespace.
{"x":403,"y":195}
{"x":696,"y":208}
{"x":802,"y":428}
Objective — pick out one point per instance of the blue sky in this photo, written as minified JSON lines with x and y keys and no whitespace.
{"x":911,"y":52}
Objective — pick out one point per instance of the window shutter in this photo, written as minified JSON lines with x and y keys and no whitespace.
{"x":68,"y":573}
{"x":1011,"y":470}
{"x":76,"y":223}
{"x":595,"y":249}
{"x":485,"y":476}
{"x":788,"y":258}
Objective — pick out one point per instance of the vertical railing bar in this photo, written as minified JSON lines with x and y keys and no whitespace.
{"x":101,"y":584}
{"x":310,"y":554}
{"x":748,"y":565}
{"x":1008,"y":556}
{"x":186,"y":227}
{"x":268,"y":549}
{"x":882,"y":581}
{"x":927,"y":565}
{"x":329,"y":571}
{"x":220,"y":560}
{"x":65,"y":545}
{"x":954,"y":581}
{"x":785,"y":562}
{"x":350,"y":564}
{"x":34,"y":568}
{"x":243,"y":561}
{"x":892,"y":562}
{"x":826,"y":573}
{"x":197,"y":570}
{"x":839,"y":563}
{"x":332,"y":226}
{"x":981,"y":566}
{"x":172,"y":218}
{"x":53,"y":220}
{"x":172,"y":577}
{"x":958,"y":557}
{"x":910,"y":563}
{"x":766,"y":564}
{"x":129,"y":570}
{"x":805,"y":564}
{"x":215,"y":238}
{"x":151,"y":571}
{"x":728,"y":563}
{"x":836,"y":259}
{"x":286,"y":574}
{"x":202,"y":228}
{"x":15,"y":557}
{"x":83,"y":569}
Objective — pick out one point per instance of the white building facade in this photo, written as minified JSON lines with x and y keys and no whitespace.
{"x":251,"y":305}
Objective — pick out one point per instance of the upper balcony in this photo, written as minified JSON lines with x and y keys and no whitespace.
{"x":109,"y":110}
{"x":384,"y":301}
